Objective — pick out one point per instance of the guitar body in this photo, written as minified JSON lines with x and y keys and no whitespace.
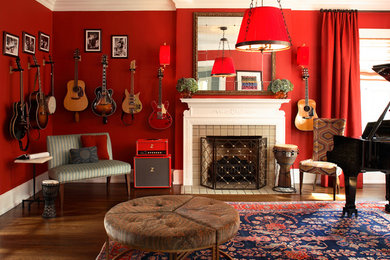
{"x":160,"y":117}
{"x":19,"y":125}
{"x":38,"y":111}
{"x":75,"y":99}
{"x":131,"y":103}
{"x":305,"y":115}
{"x":103,"y":105}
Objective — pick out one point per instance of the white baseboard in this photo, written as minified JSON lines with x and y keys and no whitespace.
{"x":14,"y":197}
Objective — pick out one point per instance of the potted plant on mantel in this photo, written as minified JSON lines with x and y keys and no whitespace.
{"x":187,"y":86}
{"x":280,"y":87}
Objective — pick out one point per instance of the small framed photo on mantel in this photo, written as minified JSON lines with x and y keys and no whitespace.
{"x":93,"y":40}
{"x":44,"y":42}
{"x":28,"y":43}
{"x":249,"y":80}
{"x":119,"y":46}
{"x":10,"y":44}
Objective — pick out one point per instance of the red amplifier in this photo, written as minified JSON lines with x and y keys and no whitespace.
{"x":151,"y":147}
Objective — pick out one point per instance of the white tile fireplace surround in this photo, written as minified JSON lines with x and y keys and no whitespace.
{"x":230,"y":117}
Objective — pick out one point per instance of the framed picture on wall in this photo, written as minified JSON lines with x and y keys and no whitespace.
{"x":44,"y":42}
{"x":249,"y":80}
{"x":10,"y":44}
{"x":93,"y":40}
{"x":119,"y":46}
{"x":28,"y":43}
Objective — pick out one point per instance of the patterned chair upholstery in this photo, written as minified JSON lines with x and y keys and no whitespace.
{"x":323,"y":131}
{"x":61,"y":170}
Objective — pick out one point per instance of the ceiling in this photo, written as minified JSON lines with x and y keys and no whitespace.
{"x":138,"y":5}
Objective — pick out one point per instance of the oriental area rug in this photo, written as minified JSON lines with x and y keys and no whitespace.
{"x":297,"y":230}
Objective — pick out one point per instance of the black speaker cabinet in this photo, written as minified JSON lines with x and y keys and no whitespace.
{"x":152,"y":172}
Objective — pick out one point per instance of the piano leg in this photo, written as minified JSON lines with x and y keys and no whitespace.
{"x":350,"y":194}
{"x":387,"y":207}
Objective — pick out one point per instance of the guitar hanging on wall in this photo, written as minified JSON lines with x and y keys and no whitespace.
{"x":76,"y":98}
{"x":131,"y":103}
{"x":19,"y":121}
{"x":160,"y":117}
{"x":103,"y":105}
{"x":306,"y":108}
{"x":38,"y":109}
{"x":50,"y":99}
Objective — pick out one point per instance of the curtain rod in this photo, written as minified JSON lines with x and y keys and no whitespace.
{"x":339,"y":10}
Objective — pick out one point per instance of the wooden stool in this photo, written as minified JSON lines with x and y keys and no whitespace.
{"x":285,"y":155}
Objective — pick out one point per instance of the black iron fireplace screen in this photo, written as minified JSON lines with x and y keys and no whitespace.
{"x":233,"y":162}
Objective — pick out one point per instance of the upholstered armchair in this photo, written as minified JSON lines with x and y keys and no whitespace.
{"x":323,"y":131}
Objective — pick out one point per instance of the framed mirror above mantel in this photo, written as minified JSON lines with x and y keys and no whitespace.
{"x":254,"y":70}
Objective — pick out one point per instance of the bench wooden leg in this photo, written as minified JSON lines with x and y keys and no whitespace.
{"x":62,"y":188}
{"x":127,"y":179}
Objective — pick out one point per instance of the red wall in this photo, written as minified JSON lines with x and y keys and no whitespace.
{"x":146,"y":30}
{"x":16,"y":17}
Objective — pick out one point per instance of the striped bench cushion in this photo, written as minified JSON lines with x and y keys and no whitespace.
{"x":102,"y":168}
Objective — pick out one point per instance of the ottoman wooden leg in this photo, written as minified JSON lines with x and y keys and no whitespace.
{"x":215,"y":252}
{"x":172,"y":256}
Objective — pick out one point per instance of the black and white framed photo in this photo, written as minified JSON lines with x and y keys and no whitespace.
{"x":10,"y":44}
{"x":119,"y":46}
{"x":44,"y":42}
{"x":28,"y":43}
{"x":249,"y":80}
{"x":93,"y":40}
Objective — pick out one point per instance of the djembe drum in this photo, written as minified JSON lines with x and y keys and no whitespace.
{"x":285,"y":155}
{"x":50,"y":192}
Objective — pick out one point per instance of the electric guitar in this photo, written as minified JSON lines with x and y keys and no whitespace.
{"x":103,"y":105}
{"x":50,"y":99}
{"x":38,"y":109}
{"x":306,"y":108}
{"x":131,"y":103}
{"x":76,"y":98}
{"x":160,"y":117}
{"x":19,"y":121}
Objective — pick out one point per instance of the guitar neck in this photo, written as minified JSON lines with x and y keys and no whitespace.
{"x":76,"y":72}
{"x":132,"y":83}
{"x":52,"y":79}
{"x":306,"y":92}
{"x":21,"y":88}
{"x":104,"y":87}
{"x":160,"y":92}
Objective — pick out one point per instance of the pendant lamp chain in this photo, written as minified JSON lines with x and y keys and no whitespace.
{"x":284,"y":20}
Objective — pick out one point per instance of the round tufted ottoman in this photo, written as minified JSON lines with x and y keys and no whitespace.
{"x":177,"y":224}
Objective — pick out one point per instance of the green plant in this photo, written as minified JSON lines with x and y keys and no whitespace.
{"x":187,"y":84}
{"x":283,"y":85}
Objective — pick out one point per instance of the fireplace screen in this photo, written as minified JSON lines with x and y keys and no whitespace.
{"x":233,"y":162}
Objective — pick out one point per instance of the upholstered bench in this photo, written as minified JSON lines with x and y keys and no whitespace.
{"x":176,"y":224}
{"x":62,"y":170}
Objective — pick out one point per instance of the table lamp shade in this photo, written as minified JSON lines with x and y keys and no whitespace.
{"x":223,"y":67}
{"x":303,"y":55}
{"x":165,"y":55}
{"x":266,"y":31}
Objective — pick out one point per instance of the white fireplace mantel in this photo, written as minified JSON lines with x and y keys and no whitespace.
{"x":228,"y":111}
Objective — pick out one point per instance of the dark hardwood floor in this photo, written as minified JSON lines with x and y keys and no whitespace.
{"x":78,"y":232}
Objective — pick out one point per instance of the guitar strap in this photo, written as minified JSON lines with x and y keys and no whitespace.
{"x":21,"y":144}
{"x":123,"y":116}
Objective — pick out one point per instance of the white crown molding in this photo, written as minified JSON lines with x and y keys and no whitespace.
{"x":47,"y":3}
{"x":114,"y":5}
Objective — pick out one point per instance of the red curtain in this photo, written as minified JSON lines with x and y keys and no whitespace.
{"x":340,"y":73}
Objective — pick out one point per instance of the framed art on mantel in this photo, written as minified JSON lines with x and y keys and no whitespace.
{"x":249,"y":80}
{"x":93,"y":40}
{"x":119,"y":46}
{"x":28,"y":43}
{"x":44,"y":42}
{"x":10,"y":44}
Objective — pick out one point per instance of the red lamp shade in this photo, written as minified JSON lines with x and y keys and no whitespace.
{"x":223,"y":67}
{"x":266,"y":31}
{"x":165,"y":55}
{"x":303,"y":55}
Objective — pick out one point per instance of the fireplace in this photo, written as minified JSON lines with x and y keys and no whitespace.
{"x":233,"y":162}
{"x":230,"y":117}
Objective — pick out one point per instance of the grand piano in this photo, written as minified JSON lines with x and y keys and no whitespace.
{"x":370,"y":153}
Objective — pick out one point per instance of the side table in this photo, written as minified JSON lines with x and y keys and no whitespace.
{"x":33,"y":162}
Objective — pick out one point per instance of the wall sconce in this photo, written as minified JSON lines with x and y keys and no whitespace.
{"x":165,"y":55}
{"x":303,"y":55}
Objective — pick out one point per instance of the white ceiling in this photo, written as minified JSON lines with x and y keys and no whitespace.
{"x":137,"y":5}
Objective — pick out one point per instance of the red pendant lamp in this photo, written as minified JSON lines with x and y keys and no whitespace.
{"x":223,"y":66}
{"x":263,"y":29}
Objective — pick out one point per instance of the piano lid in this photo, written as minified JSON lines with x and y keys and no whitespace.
{"x":383,"y":70}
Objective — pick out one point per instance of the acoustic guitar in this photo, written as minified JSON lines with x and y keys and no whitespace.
{"x":131,"y":103}
{"x":160,"y":118}
{"x":38,"y":109}
{"x":103,"y":105}
{"x":19,"y":121}
{"x":51,"y":103}
{"x":76,"y":99}
{"x":306,"y":108}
